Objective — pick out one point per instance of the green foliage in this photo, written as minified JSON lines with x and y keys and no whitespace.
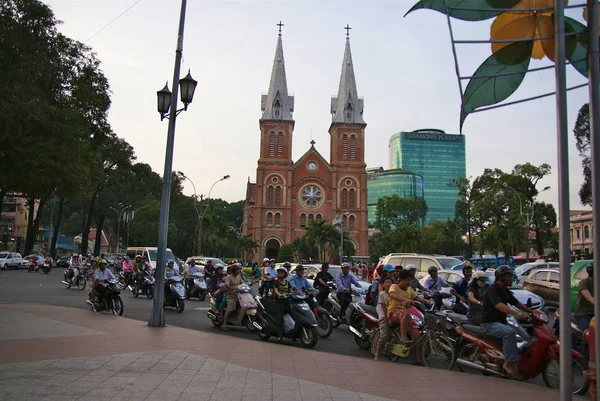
{"x":474,"y":14}
{"x":404,"y":238}
{"x":393,"y":210}
{"x":582,"y":140}
{"x":323,"y":236}
{"x":286,"y":253}
{"x":442,"y":237}
{"x":247,"y":246}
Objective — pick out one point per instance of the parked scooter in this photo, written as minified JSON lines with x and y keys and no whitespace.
{"x":484,"y":354}
{"x":244,"y":314}
{"x":74,"y":276}
{"x":362,"y":321}
{"x":145,"y":286}
{"x":110,"y":301}
{"x":175,"y":294}
{"x":300,"y":324}
{"x":199,"y":290}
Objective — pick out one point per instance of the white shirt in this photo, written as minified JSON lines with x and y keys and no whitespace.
{"x":382,"y":304}
{"x":107,"y":275}
{"x":171,"y":272}
{"x":193,"y":270}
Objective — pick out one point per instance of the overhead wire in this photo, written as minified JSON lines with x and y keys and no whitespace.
{"x":111,"y":21}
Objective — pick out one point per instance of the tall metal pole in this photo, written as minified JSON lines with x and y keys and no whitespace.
{"x":566,"y":374}
{"x":157,"y":319}
{"x":594,"y":78}
{"x":118,"y":229}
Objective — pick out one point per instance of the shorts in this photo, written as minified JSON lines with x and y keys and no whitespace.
{"x":396,"y":315}
{"x":231,"y":302}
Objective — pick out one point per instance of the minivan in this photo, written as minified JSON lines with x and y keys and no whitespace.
{"x":150,"y":252}
{"x":422,"y":262}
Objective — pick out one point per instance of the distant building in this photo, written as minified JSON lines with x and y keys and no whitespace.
{"x":582,"y":236}
{"x":436,"y":156}
{"x":380,"y":183}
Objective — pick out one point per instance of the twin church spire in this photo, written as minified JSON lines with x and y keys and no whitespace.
{"x":277,"y":104}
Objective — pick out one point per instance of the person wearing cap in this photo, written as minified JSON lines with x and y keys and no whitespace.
{"x":189,"y":274}
{"x":139,"y":267}
{"x":476,"y":295}
{"x":435,"y":284}
{"x":268,"y":274}
{"x":414,"y":281}
{"x":323,"y":277}
{"x":232,"y":281}
{"x":493,"y":317}
{"x":460,"y":287}
{"x":299,"y":283}
{"x":377,"y":285}
{"x":101,"y":276}
{"x":344,"y":281}
{"x":170,"y":271}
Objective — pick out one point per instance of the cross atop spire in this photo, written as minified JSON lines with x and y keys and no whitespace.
{"x":347,"y":28}
{"x":277,"y":104}
{"x":280,"y":25}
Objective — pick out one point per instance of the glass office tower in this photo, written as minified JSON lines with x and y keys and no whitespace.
{"x":439,"y":158}
{"x":380,"y":183}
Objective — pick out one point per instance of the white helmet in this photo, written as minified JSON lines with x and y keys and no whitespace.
{"x":266,"y":260}
{"x":479,"y":274}
{"x":411,"y":267}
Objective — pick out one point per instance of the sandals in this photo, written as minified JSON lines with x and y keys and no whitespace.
{"x":225,"y":329}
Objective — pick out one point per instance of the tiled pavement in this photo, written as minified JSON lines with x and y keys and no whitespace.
{"x":56,"y":353}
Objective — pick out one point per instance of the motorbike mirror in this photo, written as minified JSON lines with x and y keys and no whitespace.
{"x":529,"y":302}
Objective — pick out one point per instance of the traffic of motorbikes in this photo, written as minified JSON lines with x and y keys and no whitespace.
{"x":446,"y":339}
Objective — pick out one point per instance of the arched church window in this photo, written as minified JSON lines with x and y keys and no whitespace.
{"x":272,"y":144}
{"x":344,"y":147}
{"x":319,"y":217}
{"x":352,"y":221}
{"x":277,"y":219}
{"x":352,"y":198}
{"x":270,"y":195}
{"x":280,"y":144}
{"x":345,"y":221}
{"x":311,"y":217}
{"x":344,"y":197}
{"x":278,"y":196}
{"x":269,"y":219}
{"x":352,"y":147}
{"x":302,"y":220}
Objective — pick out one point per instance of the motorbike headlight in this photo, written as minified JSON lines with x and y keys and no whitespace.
{"x":541,"y":316}
{"x":417,"y":320}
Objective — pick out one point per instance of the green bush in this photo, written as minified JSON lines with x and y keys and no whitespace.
{"x":247,"y":271}
{"x":286,"y":253}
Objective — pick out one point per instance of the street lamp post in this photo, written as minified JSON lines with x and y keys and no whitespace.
{"x":119,"y":214}
{"x":339,"y":221}
{"x":167,"y":103}
{"x":201,"y":212}
{"x":527,"y":218}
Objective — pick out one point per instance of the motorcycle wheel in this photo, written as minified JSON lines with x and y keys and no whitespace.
{"x":248,"y":320}
{"x":309,"y":337}
{"x":362,"y":343}
{"x":149,"y":293}
{"x":551,"y":375}
{"x":180,"y":305}
{"x":394,"y":339}
{"x":202,"y":297}
{"x":118,"y":305}
{"x":135,"y":290}
{"x":217,"y":322}
{"x":469,"y":351}
{"x":81,"y":283}
{"x":329,"y":308}
{"x":325,"y":324}
{"x":438,"y":352}
{"x":68,"y":281}
{"x":263,"y":336}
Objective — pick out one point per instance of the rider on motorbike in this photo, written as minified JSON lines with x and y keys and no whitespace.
{"x":101,"y":275}
{"x":493,"y":318}
{"x":435,"y":284}
{"x":216,"y":284}
{"x":344,"y":281}
{"x":383,"y":300}
{"x":189,"y":274}
{"x":584,"y":308}
{"x":414,"y":282}
{"x":323,"y":277}
{"x":232,"y":280}
{"x":460,"y":287}
{"x":377,"y":285}
{"x":476,"y":295}
{"x":299,"y":283}
{"x":268,"y":274}
{"x":209,"y":269}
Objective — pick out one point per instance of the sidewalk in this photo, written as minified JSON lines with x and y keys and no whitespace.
{"x":57,"y":353}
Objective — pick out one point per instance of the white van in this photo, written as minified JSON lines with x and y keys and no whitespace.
{"x":150,"y":252}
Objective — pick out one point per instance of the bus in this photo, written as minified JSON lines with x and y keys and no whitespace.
{"x":491,"y":262}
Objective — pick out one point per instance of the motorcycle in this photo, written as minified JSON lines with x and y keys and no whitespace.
{"x":74,"y":276}
{"x":110,"y":301}
{"x":576,"y":333}
{"x":455,"y":305}
{"x":33,"y":267}
{"x":46,"y":268}
{"x":334,"y":306}
{"x":244,"y":314}
{"x":484,"y":354}
{"x":362,"y":321}
{"x":126,"y":280}
{"x":300,"y":324}
{"x":199,"y":289}
{"x":325,"y":321}
{"x":145,"y":286}
{"x":175,"y":294}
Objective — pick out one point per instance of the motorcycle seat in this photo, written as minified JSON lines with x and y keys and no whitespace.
{"x":371,"y":310}
{"x":457,"y":318}
{"x":477,"y":330}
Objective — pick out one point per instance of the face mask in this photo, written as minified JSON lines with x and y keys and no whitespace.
{"x":481,"y":283}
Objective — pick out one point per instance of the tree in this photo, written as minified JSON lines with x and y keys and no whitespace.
{"x":286,"y":253}
{"x":582,"y":141}
{"x":392,"y":210}
{"x":544,"y":220}
{"x":463,"y":210}
{"x":442,"y":237}
{"x":404,"y":238}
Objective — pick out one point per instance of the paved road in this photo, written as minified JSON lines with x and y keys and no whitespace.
{"x":23,"y":287}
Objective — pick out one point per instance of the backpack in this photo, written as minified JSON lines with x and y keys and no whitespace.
{"x":371,"y":297}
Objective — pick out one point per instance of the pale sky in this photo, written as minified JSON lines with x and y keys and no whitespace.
{"x":404,"y":70}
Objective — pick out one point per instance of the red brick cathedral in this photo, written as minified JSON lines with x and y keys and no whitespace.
{"x":289,"y":194}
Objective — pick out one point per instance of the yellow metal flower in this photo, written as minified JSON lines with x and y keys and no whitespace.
{"x":521,"y":23}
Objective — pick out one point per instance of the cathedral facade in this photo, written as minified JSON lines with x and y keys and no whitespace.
{"x":288,"y":194}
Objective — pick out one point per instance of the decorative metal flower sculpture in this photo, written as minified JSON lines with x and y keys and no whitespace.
{"x":530,"y":23}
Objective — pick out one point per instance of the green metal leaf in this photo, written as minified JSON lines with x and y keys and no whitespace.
{"x":577,"y":45}
{"x":497,"y":78}
{"x":485,"y":9}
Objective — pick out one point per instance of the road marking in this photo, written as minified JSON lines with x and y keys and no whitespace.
{"x":201,"y":308}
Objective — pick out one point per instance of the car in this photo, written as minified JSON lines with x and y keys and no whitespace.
{"x":545,"y":283}
{"x":578,"y":273}
{"x":10,"y":260}
{"x":422,"y":262}
{"x":201,"y":262}
{"x":522,"y":295}
{"x":310,"y":271}
{"x":523,"y":271}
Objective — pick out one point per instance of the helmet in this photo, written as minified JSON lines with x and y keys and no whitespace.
{"x":272,"y":260}
{"x":219,"y":266}
{"x":102,"y":262}
{"x":388,"y":268}
{"x":170,"y":261}
{"x":432,"y":269}
{"x":298,"y":267}
{"x":94,"y":261}
{"x":234,"y":261}
{"x":479,"y":274}
{"x":208,"y":261}
{"x":235,"y":266}
{"x":287,"y":265}
{"x":75,"y":255}
{"x":138,"y":256}
{"x":411,"y":267}
{"x":266,"y":260}
{"x":589,"y":268}
{"x":281,"y":268}
{"x":466,"y":265}
{"x":345,"y":264}
{"x":503,"y":269}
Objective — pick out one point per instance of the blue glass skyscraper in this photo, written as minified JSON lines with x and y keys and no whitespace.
{"x":439,"y":158}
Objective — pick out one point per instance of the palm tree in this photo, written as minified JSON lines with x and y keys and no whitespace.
{"x":247,"y":246}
